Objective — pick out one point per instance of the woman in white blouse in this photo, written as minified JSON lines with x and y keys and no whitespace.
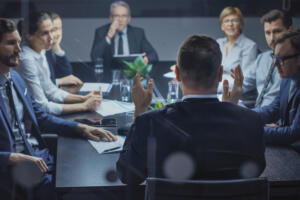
{"x":35,"y":70}
{"x":236,"y":48}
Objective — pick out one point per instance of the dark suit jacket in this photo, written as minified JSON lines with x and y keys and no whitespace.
{"x":41,"y":122}
{"x":220,"y":138}
{"x":137,"y":42}
{"x":289,"y":132}
{"x":59,"y":66}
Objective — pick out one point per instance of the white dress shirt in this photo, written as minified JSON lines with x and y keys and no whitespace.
{"x":34,"y":69}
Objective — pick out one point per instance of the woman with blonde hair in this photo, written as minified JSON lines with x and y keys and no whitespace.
{"x":236,"y":48}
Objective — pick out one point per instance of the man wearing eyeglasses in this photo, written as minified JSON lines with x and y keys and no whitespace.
{"x":263,"y":79}
{"x":120,"y":38}
{"x":282,"y":117}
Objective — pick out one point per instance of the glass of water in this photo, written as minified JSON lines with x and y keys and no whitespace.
{"x":125,"y":90}
{"x":116,"y":77}
{"x":173,"y":91}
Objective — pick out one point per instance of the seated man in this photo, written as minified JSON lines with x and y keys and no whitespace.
{"x":60,"y":67}
{"x":282,"y":117}
{"x":262,"y":79}
{"x":119,"y":38}
{"x":20,"y":115}
{"x":218,"y":139}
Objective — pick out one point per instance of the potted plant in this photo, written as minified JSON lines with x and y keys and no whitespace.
{"x":137,"y":64}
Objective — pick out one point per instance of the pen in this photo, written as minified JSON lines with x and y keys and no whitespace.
{"x":111,"y":149}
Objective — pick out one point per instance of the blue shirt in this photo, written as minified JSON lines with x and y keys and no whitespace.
{"x":243,"y":53}
{"x":255,"y":78}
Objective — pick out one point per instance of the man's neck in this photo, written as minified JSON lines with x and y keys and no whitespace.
{"x":187,"y":91}
{"x":4,"y":69}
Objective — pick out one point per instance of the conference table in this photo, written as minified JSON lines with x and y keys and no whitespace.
{"x":79,"y":168}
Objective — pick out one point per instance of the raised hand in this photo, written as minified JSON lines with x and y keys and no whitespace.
{"x":141,"y":97}
{"x":112,"y":29}
{"x":234,"y":95}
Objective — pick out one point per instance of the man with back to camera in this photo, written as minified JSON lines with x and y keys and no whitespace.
{"x":263,"y":79}
{"x":120,"y":38}
{"x":219,"y":137}
{"x":19,"y":115}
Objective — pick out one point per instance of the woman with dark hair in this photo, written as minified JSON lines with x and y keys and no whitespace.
{"x":34,"y":69}
{"x":236,"y":48}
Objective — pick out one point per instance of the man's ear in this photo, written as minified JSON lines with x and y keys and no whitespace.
{"x":220,"y":73}
{"x":178,"y":78}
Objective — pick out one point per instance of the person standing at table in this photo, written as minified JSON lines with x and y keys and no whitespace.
{"x":34,"y":69}
{"x":236,"y":48}
{"x":217,"y":139}
{"x":20,"y":115}
{"x":263,"y":78}
{"x":60,"y":67}
{"x":120,"y":38}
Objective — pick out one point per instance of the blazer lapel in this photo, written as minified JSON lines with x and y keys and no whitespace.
{"x":294,"y":105}
{"x":35,"y":130}
{"x":284,"y":100}
{"x":25,"y":103}
{"x":6,"y":120}
{"x":131,"y":40}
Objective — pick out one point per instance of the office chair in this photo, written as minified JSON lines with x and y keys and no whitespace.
{"x":238,"y":189}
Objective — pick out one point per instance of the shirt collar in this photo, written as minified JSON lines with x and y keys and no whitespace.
{"x":237,"y":42}
{"x":200,"y":96}
{"x":33,"y":52}
{"x":124,"y":31}
{"x":4,"y":79}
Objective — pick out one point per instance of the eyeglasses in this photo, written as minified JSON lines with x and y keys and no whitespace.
{"x":120,"y":16}
{"x":227,"y":21}
{"x":280,"y":59}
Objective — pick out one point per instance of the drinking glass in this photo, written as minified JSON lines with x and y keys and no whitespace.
{"x":173,"y":91}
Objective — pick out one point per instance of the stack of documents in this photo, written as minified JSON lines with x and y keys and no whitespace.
{"x":88,"y":87}
{"x":112,"y":107}
{"x":108,"y":147}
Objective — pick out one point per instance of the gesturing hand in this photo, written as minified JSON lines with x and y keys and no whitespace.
{"x":234,"y":95}
{"x":141,"y":97}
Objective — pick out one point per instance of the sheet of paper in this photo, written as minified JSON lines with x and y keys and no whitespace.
{"x":108,"y":147}
{"x":88,"y":87}
{"x":111,"y":107}
{"x":170,"y":75}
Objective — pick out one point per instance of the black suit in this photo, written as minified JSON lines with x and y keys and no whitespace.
{"x":219,"y":137}
{"x":137,"y":43}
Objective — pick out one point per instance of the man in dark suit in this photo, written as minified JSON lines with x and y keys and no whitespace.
{"x":19,"y":115}
{"x":282,"y":117}
{"x":119,"y":38}
{"x":198,"y":137}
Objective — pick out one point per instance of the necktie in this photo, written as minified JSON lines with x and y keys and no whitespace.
{"x":9,"y":93}
{"x":264,"y":90}
{"x":120,"y":47}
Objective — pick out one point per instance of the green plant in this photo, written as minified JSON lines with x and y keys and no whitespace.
{"x":137,"y":64}
{"x":158,"y":104}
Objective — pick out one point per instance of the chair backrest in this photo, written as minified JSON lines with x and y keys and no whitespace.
{"x":241,"y":189}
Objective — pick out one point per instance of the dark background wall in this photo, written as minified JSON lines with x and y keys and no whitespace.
{"x":166,"y":22}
